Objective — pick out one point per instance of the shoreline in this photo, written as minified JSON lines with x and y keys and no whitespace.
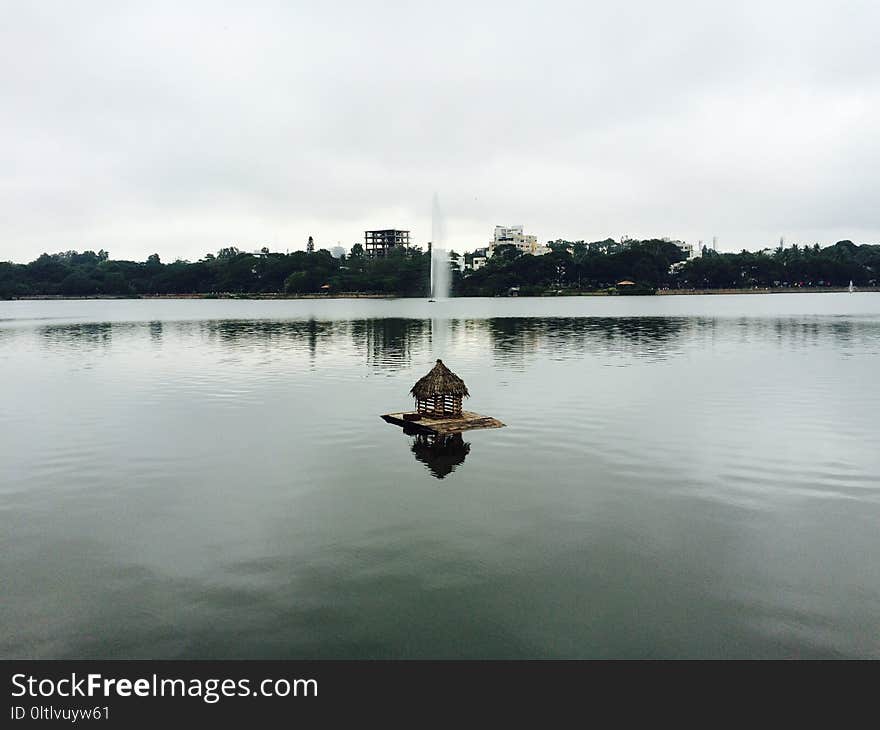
{"x":207,"y":296}
{"x":357,"y":295}
{"x":770,"y":290}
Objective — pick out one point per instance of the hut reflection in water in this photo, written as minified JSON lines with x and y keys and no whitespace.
{"x":440,"y":453}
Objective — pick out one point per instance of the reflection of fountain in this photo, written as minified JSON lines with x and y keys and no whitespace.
{"x":441,"y":454}
{"x":439,"y":255}
{"x":439,"y":336}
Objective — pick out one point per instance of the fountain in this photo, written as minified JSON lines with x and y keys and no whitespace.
{"x":439,"y":255}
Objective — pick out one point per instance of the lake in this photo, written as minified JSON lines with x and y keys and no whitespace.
{"x":680,"y":476}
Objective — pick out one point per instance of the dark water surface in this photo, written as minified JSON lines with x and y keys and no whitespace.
{"x":680,"y":477}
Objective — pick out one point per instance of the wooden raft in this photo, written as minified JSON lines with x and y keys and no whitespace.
{"x":444,"y":425}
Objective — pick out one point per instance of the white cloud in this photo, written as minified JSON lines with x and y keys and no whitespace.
{"x":183,"y":127}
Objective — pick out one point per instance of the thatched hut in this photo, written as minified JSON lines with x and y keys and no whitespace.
{"x":439,"y":393}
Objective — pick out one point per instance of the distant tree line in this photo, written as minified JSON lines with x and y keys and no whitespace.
{"x":229,"y":271}
{"x":584,"y":268}
{"x":577,"y":267}
{"x":662,"y":264}
{"x":813,"y":266}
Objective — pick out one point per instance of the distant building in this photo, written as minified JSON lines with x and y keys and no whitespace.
{"x":477,"y":260}
{"x":686,"y":248}
{"x":379,"y":243}
{"x":514,"y":236}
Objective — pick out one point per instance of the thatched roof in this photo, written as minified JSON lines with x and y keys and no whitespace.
{"x":440,"y":381}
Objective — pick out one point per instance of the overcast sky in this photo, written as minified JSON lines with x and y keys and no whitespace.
{"x":182,"y":127}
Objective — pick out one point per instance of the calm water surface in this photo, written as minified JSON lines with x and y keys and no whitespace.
{"x":680,"y":477}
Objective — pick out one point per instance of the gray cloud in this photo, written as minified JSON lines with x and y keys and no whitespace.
{"x":183,"y":127}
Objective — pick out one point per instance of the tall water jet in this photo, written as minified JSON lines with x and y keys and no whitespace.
{"x":439,"y":255}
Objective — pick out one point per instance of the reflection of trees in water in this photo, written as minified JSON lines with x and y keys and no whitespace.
{"x":801,"y":332}
{"x":82,"y":335}
{"x":256,"y":331}
{"x":440,"y":454}
{"x":514,"y":339}
{"x":389,"y":343}
{"x":386,"y":343}
{"x":392,"y":343}
{"x":311,"y":334}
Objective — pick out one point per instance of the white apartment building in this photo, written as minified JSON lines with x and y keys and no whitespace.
{"x":688,"y":250}
{"x":481,"y":255}
{"x":513,"y":235}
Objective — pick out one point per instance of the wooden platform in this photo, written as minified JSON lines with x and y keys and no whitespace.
{"x":442,"y":426}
